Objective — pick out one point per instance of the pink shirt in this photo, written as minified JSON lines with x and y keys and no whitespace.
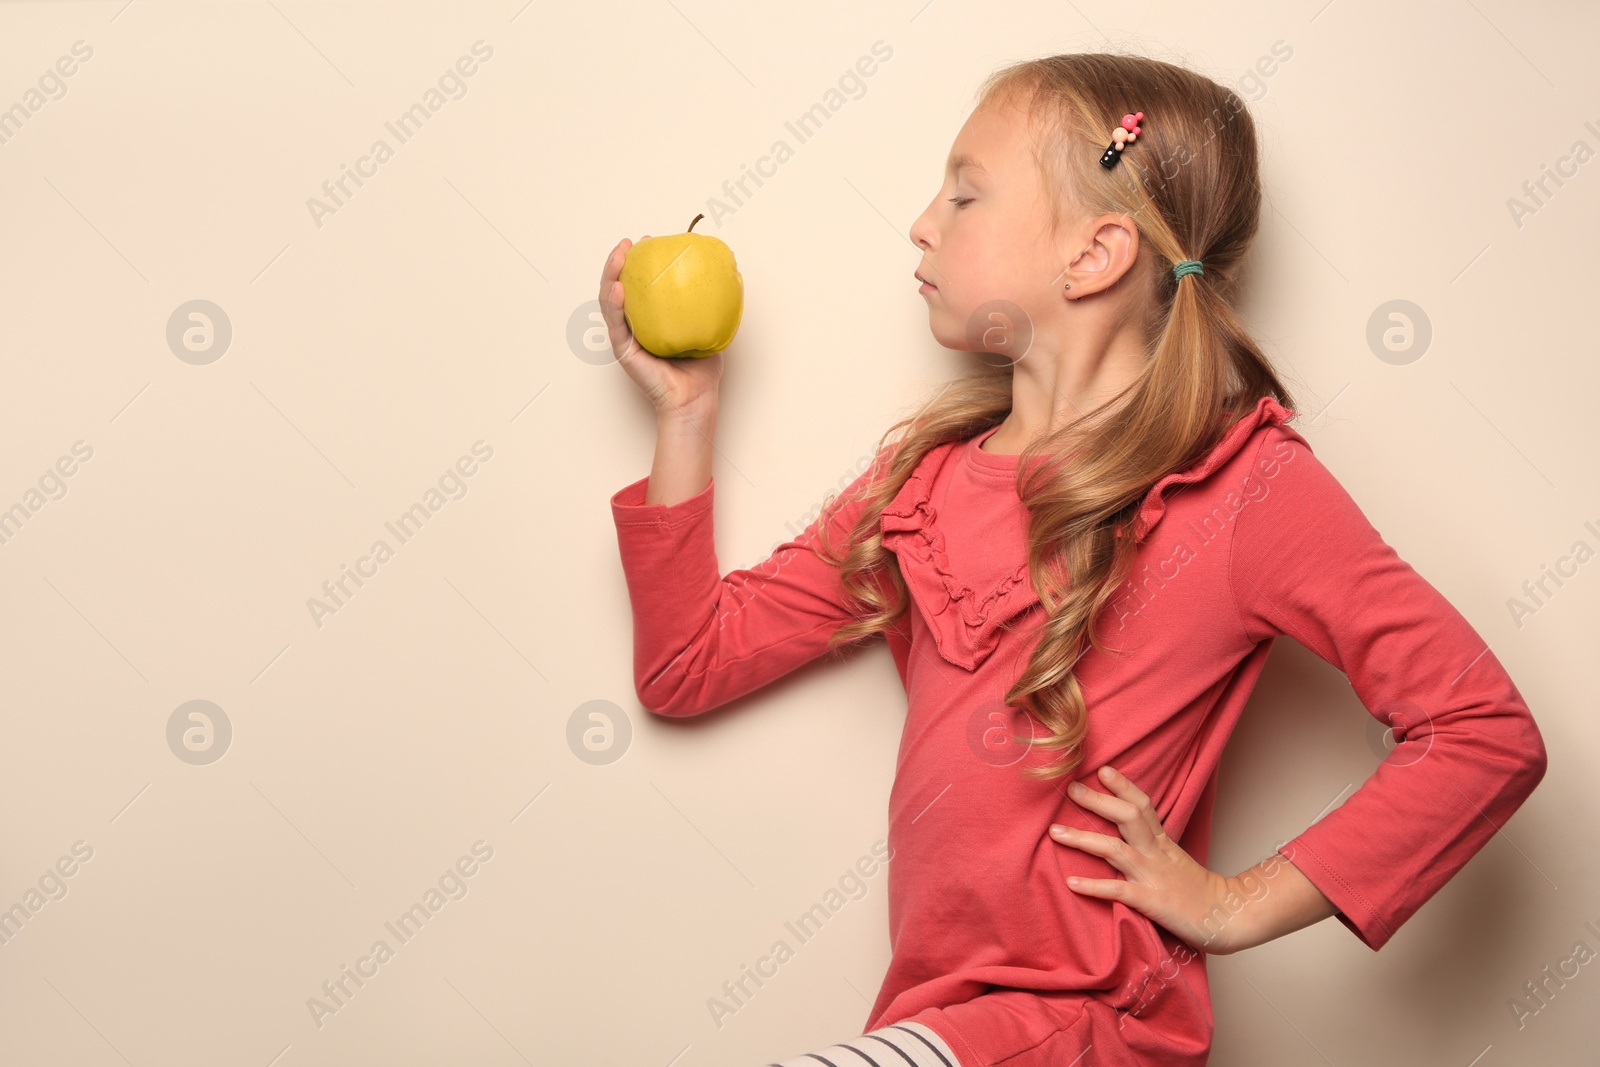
{"x":990,"y":947}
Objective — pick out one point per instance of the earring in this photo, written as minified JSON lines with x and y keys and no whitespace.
{"x":1067,"y":286}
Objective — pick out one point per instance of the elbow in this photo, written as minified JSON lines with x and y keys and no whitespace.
{"x":651,"y":701}
{"x":666,"y":689}
{"x":657,"y":688}
{"x":663,"y":701}
{"x":1535,"y":759}
{"x":1538,"y":758}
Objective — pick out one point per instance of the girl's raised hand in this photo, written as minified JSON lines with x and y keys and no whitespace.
{"x":684,"y":388}
{"x":1163,"y":882}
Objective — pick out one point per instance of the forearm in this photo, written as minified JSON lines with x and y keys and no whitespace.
{"x":1276,"y":899}
{"x":682,"y":466}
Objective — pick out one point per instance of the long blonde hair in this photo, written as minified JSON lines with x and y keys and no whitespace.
{"x":1191,"y":185}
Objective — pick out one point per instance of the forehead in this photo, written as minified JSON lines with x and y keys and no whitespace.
{"x":993,"y":141}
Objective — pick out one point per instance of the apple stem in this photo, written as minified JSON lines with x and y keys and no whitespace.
{"x":697,"y":218}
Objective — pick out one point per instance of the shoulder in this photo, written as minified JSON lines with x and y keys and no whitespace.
{"x":1280,"y":457}
{"x":1263,"y":476}
{"x":1286,"y":499}
{"x":1269,"y":452}
{"x":1258,"y":444}
{"x":1274,"y":455}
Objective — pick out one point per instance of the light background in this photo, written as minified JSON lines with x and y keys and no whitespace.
{"x":434,"y":309}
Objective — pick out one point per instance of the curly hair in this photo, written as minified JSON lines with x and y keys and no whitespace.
{"x":1192,"y":188}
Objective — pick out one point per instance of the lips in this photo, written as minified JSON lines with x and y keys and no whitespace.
{"x":923,"y":280}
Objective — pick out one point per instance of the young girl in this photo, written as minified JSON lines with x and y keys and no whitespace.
{"x":1080,"y":556}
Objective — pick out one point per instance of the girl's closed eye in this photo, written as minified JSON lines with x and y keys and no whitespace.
{"x":961,"y":201}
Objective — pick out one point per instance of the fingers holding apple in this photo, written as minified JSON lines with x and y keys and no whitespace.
{"x":611,"y":297}
{"x":679,"y":387}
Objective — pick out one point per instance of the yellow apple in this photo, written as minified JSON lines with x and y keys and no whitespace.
{"x":682,"y":294}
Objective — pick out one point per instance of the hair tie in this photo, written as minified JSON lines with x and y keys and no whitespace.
{"x":1187,"y":266}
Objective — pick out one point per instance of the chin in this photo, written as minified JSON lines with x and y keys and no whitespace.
{"x":944,"y":333}
{"x":949,"y":326}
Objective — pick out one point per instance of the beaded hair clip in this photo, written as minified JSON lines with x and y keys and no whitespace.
{"x":1122,"y":135}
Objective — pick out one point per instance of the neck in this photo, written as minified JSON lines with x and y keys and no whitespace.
{"x":1054,"y":385}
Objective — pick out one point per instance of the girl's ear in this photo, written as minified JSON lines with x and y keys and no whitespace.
{"x":1110,"y":251}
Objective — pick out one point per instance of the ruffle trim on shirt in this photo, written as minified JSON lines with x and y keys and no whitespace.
{"x":966,"y":624}
{"x":1267,"y":410}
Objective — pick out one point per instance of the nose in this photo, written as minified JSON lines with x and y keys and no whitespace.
{"x":922,"y":231}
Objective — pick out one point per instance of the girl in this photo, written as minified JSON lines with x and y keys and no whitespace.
{"x":1079,"y":557}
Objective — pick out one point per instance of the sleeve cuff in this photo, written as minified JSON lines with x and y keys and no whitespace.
{"x":629,"y":509}
{"x":1358,"y":916}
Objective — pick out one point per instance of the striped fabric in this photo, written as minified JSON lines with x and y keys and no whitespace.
{"x":907,"y":1044}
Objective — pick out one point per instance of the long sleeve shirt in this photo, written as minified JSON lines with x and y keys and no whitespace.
{"x":990,"y":947}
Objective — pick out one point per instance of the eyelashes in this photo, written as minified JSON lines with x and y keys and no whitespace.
{"x":961,"y":201}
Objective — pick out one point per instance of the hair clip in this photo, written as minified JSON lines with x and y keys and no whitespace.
{"x":1120,"y":136}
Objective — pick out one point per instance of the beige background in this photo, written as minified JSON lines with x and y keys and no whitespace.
{"x":432,"y":310}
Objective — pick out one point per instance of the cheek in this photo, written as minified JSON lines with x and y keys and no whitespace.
{"x":970,"y":266}
{"x":991,"y":273}
{"x":984,"y":260}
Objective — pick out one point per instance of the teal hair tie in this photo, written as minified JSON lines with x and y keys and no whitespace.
{"x":1188,"y":266}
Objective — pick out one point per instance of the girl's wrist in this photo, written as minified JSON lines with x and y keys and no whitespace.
{"x":1278,"y":899}
{"x":699,"y":419}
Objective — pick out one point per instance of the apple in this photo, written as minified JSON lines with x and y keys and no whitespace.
{"x":683,"y":295}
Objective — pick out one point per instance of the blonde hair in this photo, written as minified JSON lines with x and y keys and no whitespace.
{"x":1191,"y":185}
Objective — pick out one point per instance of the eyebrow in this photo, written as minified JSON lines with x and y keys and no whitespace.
{"x":960,"y":161}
